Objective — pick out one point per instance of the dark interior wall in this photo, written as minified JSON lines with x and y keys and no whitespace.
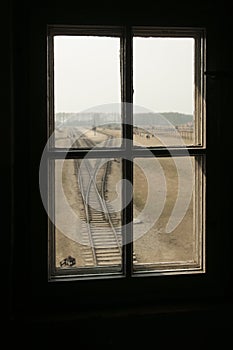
{"x":6,"y":164}
{"x":19,"y":163}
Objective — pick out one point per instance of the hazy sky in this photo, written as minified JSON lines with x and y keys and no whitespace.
{"x":87,"y":73}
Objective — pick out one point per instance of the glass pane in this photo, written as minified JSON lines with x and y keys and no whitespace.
{"x":163,"y":91}
{"x":165,"y":213}
{"x":86,"y":90}
{"x":88,"y":214}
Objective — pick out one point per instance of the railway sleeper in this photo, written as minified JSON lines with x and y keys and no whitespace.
{"x":109,"y":255}
{"x":109,"y":251}
{"x":105,"y":240}
{"x":107,"y":263}
{"x":105,"y":235}
{"x":105,"y":246}
{"x":108,"y":258}
{"x":99,"y":222}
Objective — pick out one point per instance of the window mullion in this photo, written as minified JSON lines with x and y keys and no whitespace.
{"x":127,"y":168}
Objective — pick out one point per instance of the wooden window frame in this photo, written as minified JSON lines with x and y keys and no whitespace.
{"x":198,"y":150}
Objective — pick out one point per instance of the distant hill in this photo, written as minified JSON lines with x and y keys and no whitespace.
{"x":140,"y":119}
{"x":178,"y":118}
{"x":174,"y":118}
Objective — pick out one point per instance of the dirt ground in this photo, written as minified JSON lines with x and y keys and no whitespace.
{"x":155,"y":246}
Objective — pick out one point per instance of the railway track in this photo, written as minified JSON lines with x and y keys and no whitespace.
{"x":102,"y":240}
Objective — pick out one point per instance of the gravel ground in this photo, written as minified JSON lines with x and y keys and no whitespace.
{"x":154,"y":246}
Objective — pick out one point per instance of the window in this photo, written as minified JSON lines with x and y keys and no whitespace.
{"x":122,"y":176}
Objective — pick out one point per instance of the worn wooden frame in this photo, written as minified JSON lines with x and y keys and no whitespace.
{"x":198,"y":150}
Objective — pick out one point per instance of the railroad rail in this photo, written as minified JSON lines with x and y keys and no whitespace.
{"x":102,"y":238}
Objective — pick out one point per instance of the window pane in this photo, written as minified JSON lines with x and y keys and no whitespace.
{"x":86,"y":89}
{"x":166,"y":224}
{"x":88,"y":214}
{"x":163,"y":90}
